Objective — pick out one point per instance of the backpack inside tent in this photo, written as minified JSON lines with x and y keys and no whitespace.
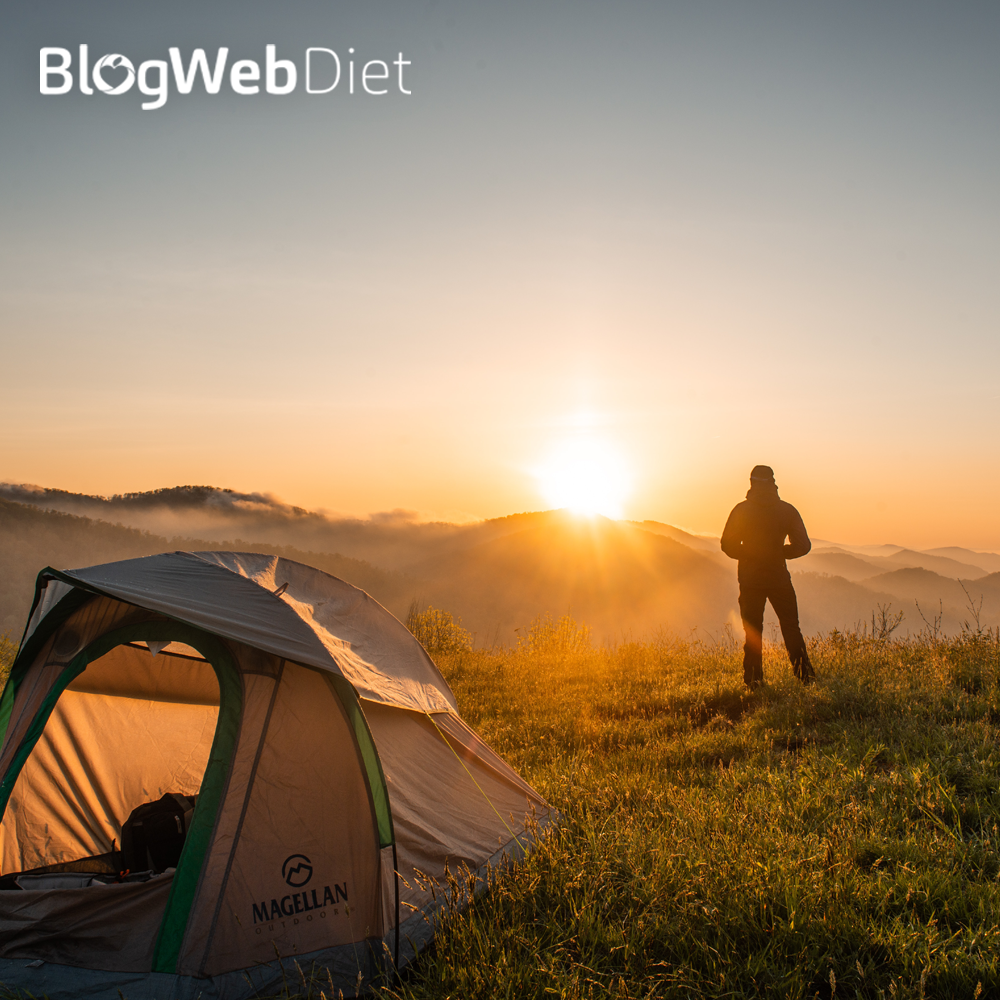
{"x":215,"y":764}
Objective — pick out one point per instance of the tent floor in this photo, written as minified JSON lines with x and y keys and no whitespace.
{"x":66,"y":982}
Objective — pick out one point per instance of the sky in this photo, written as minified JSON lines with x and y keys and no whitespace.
{"x":631,"y":249}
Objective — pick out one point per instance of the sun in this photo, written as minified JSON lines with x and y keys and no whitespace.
{"x":589,"y":476}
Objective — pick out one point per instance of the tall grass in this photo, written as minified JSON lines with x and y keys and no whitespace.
{"x":437,"y":631}
{"x":836,"y":840}
{"x":8,"y":650}
{"x":833,"y":840}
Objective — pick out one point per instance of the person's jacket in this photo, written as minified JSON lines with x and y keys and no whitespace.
{"x":755,"y":535}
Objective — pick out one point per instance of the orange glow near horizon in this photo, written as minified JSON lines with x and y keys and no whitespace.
{"x":587,"y":476}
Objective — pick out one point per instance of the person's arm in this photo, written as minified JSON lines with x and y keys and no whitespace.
{"x":732,"y":535}
{"x":798,"y":541}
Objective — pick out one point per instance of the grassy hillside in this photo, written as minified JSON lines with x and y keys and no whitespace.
{"x":837,"y":840}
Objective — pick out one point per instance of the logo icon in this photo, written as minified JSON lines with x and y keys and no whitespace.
{"x":114,"y":61}
{"x":297,"y":870}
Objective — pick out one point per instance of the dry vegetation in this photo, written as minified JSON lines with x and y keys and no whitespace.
{"x":8,"y":650}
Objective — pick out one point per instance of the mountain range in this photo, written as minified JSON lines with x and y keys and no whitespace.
{"x":623,"y":578}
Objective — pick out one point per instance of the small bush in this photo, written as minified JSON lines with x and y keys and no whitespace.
{"x":564,"y":636}
{"x":437,"y":631}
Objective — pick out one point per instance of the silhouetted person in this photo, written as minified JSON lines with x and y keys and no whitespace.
{"x":755,"y":535}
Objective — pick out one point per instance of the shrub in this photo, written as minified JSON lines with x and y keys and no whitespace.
{"x":564,"y":636}
{"x":437,"y":631}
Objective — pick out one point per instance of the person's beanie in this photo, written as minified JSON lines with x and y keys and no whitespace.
{"x":762,"y":473}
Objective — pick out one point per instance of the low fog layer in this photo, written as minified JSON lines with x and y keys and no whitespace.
{"x":390,"y":539}
{"x":622,"y":578}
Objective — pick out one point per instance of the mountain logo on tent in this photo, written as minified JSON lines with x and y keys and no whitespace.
{"x":297,"y":870}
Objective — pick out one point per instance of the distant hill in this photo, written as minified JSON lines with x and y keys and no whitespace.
{"x":943,"y":565}
{"x":834,"y":562}
{"x":988,"y":561}
{"x":31,"y":539}
{"x":620,"y":577}
{"x":937,"y":595}
{"x":704,"y":543}
{"x":614,"y":577}
{"x":917,"y":584}
{"x":858,"y":550}
{"x":828,"y":602}
{"x":391,"y":540}
{"x":853,"y":566}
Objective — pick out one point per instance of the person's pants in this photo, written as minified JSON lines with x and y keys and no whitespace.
{"x":781,"y":594}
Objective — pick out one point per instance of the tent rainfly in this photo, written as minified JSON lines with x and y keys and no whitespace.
{"x":216,"y":764}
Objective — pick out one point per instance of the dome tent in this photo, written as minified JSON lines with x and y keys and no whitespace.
{"x":334,"y":779}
